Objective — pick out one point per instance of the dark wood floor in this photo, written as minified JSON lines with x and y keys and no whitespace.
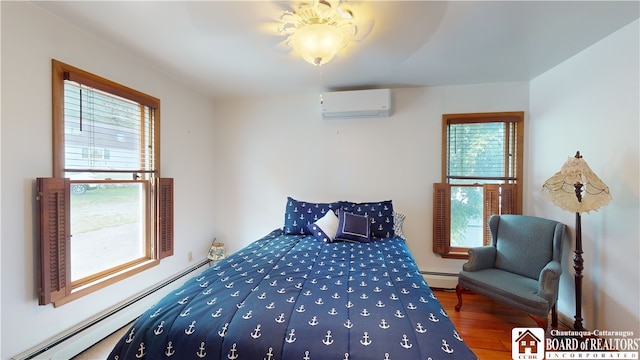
{"x":485,"y":325}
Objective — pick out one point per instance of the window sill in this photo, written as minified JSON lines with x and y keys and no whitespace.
{"x":87,"y":288}
{"x":456,"y":255}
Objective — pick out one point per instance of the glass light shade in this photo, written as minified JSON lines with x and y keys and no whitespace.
{"x":318,"y":43}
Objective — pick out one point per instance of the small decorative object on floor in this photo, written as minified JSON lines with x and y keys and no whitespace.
{"x":217,"y":251}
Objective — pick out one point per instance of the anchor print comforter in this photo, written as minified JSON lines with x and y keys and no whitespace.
{"x":294,"y":297}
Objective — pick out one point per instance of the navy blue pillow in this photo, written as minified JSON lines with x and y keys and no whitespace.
{"x":352,"y":227}
{"x":299,"y":214}
{"x":380,"y":216}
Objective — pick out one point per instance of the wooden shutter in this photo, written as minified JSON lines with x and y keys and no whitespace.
{"x":491,"y":207}
{"x":441,"y":218}
{"x":53,"y":230}
{"x":508,"y":199}
{"x":498,"y":200}
{"x":164,"y":212}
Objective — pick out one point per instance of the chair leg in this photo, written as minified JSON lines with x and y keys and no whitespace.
{"x":459,"y":290}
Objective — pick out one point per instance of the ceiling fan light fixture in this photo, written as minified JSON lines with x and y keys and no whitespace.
{"x":318,"y":30}
{"x":318,"y":43}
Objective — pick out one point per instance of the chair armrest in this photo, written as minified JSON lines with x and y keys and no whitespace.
{"x":548,"y":281}
{"x":482,"y":257}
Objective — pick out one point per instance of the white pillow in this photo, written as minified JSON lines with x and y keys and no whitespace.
{"x":326,"y":227}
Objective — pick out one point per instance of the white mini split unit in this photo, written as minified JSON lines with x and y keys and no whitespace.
{"x":356,"y":104}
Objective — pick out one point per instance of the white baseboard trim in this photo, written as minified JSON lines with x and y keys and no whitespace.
{"x":81,"y":337}
{"x":565,"y":319}
{"x":440,"y":280}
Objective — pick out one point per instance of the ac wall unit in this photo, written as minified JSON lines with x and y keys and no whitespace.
{"x":356,"y":104}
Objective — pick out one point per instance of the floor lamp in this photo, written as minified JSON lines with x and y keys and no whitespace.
{"x":577,"y":189}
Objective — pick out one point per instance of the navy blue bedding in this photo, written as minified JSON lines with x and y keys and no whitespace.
{"x":294,"y":297}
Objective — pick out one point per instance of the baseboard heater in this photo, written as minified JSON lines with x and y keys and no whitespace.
{"x":76,"y":340}
{"x":440,"y":280}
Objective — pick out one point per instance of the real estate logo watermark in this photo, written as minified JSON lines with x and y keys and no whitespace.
{"x":531,"y":344}
{"x":527,"y":343}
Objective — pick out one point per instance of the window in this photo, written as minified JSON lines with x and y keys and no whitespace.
{"x":481,"y":176}
{"x":106,"y":213}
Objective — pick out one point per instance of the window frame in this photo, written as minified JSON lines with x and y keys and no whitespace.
{"x":505,"y":198}
{"x":53,"y":201}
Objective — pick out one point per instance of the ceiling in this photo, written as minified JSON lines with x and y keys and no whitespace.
{"x":232,"y":49}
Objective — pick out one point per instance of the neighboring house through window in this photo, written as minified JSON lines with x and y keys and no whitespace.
{"x":106,"y":213}
{"x":481,"y":176}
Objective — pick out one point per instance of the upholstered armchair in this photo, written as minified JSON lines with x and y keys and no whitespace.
{"x":520,"y":268}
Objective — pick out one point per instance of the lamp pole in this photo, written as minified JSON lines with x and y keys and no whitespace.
{"x":578,"y":267}
{"x":578,"y":263}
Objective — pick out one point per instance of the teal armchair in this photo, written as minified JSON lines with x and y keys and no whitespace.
{"x":520,"y":268}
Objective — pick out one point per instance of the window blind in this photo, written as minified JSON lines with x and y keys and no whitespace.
{"x":105,"y":132}
{"x":480,"y":151}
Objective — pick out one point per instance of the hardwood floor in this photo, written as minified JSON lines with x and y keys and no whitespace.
{"x":485,"y":325}
{"x":101,"y":350}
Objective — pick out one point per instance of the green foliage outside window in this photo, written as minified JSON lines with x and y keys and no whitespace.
{"x":466,"y":208}
{"x":476,"y":156}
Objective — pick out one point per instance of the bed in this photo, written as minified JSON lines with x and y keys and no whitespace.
{"x":300,"y":292}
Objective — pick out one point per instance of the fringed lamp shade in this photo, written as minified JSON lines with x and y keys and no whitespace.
{"x":576,"y":188}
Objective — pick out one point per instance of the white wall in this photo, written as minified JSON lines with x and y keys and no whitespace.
{"x":271,"y":148}
{"x":30,"y":39}
{"x":590,"y":103}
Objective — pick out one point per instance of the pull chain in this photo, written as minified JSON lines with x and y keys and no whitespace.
{"x":321,"y":84}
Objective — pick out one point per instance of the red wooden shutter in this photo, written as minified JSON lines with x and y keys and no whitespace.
{"x":53,"y":230}
{"x":164,"y":231}
{"x":441,"y":218}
